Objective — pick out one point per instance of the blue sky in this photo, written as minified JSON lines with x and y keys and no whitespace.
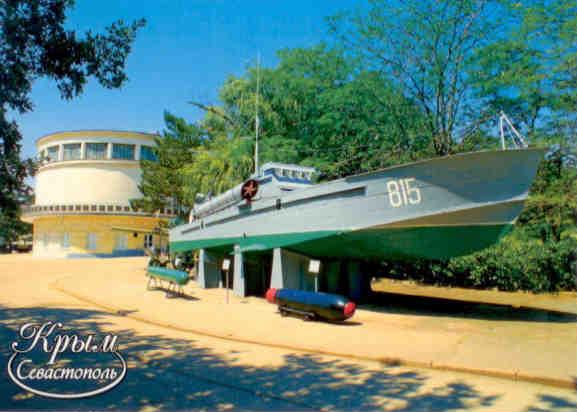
{"x":184,"y":53}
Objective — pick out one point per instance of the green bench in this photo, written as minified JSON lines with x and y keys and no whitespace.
{"x":176,"y":279}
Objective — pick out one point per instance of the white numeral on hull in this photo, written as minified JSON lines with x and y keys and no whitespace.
{"x":402,"y":192}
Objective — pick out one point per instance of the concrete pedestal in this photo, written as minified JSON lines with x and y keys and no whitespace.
{"x":208,"y":270}
{"x":333,"y":277}
{"x":358,"y":281}
{"x":239,"y":284}
{"x":354,"y":280}
{"x":277,"y":279}
{"x":289,"y":270}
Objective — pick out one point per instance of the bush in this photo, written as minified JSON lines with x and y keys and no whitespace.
{"x":520,"y":264}
{"x":517,"y":262}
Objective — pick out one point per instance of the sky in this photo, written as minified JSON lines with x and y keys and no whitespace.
{"x":185,"y":52}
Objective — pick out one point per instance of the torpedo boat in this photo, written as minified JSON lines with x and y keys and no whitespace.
{"x":434,"y":209}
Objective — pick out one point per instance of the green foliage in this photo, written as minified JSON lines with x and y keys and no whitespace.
{"x":34,"y":43}
{"x":551,"y":211}
{"x":529,"y":69}
{"x":520,"y":263}
{"x":219,"y":164}
{"x":164,"y":183}
{"x":319,"y":108}
{"x":425,"y":48}
{"x":517,"y":262}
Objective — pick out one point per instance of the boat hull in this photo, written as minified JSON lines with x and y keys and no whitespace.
{"x":433,"y":209}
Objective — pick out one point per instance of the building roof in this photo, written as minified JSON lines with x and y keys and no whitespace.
{"x":94,"y":133}
{"x":286,"y":166}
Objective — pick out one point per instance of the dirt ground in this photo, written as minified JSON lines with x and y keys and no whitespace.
{"x":176,"y":361}
{"x":561,"y":301}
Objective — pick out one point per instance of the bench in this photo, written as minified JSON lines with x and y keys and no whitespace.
{"x":176,"y":279}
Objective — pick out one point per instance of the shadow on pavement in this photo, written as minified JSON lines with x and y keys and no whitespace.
{"x":429,"y":306}
{"x":553,"y":403}
{"x":193,"y":376}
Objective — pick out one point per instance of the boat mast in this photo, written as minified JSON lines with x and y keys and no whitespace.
{"x":256,"y":119}
{"x":517,"y":138}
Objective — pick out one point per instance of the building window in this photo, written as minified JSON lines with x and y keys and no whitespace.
{"x":66,"y":240}
{"x":52,"y":153}
{"x":91,"y":241}
{"x":121,"y":241}
{"x":123,"y":151}
{"x":96,"y":151}
{"x":147,"y":153}
{"x":148,"y":241}
{"x":72,"y":151}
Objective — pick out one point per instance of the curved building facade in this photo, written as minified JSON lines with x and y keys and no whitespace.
{"x":83,"y":194}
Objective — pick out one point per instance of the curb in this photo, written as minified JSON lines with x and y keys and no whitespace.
{"x":387,"y":361}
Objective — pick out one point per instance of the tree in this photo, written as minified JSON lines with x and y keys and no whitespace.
{"x":529,"y":69}
{"x":320,"y":108}
{"x":163,"y":182}
{"x":551,"y":211}
{"x":34,"y":44}
{"x":424,"y":46}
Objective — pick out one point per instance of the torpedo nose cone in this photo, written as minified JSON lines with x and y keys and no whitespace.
{"x":271,"y":295}
{"x":349,"y":309}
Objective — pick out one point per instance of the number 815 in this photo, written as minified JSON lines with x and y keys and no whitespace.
{"x":402,"y":192}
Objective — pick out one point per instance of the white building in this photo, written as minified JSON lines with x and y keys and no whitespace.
{"x":84,"y":187}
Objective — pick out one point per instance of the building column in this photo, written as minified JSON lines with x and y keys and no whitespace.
{"x":208,"y":270}
{"x":108,"y":151}
{"x":277,"y":277}
{"x":333,"y":276}
{"x":358,"y":281}
{"x":353,"y":279}
{"x":290,"y":270}
{"x":239,"y":286}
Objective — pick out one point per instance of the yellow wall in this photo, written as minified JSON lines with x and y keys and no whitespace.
{"x":78,"y":227}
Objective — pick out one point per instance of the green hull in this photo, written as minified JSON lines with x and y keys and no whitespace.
{"x":435,"y":242}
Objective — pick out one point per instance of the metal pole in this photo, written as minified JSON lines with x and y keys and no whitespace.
{"x":502,"y":130}
{"x":226,"y":286}
{"x":256,"y":119}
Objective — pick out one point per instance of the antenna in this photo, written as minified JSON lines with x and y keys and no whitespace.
{"x":517,"y":138}
{"x":256,"y":119}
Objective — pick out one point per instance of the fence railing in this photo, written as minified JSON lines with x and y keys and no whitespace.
{"x":90,"y":209}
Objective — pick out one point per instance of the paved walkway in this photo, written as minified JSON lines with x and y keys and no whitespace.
{"x":175,"y":370}
{"x":530,"y":344}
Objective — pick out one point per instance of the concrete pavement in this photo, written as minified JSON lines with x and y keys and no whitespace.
{"x":534,"y":345}
{"x":171,"y":368}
